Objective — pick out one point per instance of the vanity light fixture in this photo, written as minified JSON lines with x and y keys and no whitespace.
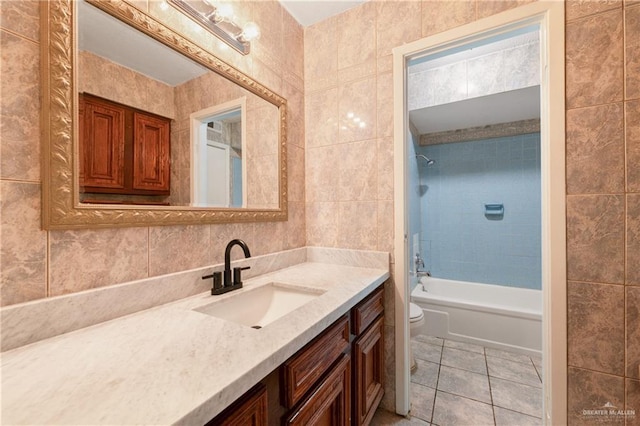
{"x":218,"y":19}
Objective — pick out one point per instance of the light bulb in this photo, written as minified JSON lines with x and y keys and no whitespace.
{"x":225,"y":11}
{"x":251,"y":31}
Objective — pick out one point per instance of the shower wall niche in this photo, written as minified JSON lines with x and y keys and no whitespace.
{"x":458,"y":240}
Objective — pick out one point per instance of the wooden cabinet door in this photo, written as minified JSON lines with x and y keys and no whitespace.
{"x":330,"y":402}
{"x":368,"y":386}
{"x":249,"y":410}
{"x":102,"y":145}
{"x":151,"y":170}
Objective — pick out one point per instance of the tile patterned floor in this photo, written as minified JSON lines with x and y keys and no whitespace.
{"x":460,"y":384}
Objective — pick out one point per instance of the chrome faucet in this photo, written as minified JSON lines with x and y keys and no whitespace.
{"x":420,"y":264}
{"x":220,"y":285}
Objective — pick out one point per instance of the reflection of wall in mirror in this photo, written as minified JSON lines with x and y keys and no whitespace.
{"x":109,"y":80}
{"x":262,"y":146}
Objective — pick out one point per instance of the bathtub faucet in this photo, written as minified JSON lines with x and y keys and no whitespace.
{"x":420,"y":264}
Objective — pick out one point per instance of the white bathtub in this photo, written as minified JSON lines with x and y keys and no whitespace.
{"x":495,"y":316}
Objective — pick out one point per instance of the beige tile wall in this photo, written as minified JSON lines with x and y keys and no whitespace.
{"x":348,"y":69}
{"x":603,"y":177}
{"x":36,"y":264}
{"x":602,"y":205}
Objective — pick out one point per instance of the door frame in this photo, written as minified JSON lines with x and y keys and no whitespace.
{"x":549,"y":15}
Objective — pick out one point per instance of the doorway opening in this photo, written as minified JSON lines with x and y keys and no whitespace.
{"x":476,"y":111}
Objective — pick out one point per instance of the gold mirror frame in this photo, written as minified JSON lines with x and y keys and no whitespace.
{"x":61,"y":208}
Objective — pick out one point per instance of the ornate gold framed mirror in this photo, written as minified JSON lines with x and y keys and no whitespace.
{"x":256,"y":191}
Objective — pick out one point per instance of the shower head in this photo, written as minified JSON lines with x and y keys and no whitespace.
{"x":428,"y":160}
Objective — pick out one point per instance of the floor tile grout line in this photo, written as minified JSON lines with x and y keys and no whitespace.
{"x":493,"y":407}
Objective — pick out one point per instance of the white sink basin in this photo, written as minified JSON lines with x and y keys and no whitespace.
{"x":262,"y":305}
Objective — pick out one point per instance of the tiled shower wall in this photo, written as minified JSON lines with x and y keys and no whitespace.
{"x":37,"y":264}
{"x":349,"y":174}
{"x":459,"y":241}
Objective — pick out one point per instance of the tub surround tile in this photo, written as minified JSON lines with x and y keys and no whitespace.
{"x":23,"y":245}
{"x":595,"y":238}
{"x":633,"y":333}
{"x":125,"y":356}
{"x":514,"y":371}
{"x":594,"y":79}
{"x":464,"y":383}
{"x":516,"y":396}
{"x":596,"y":326}
{"x":595,"y":140}
{"x":632,"y":54}
{"x":426,"y":373}
{"x":422,"y":399}
{"x":454,"y":410}
{"x":438,"y":16}
{"x":506,"y":417}
{"x":590,"y":390}
{"x":576,"y":9}
{"x":465,"y":360}
{"x":426,"y":352}
{"x":104,"y":256}
{"x":19,"y":106}
{"x":632,"y":139}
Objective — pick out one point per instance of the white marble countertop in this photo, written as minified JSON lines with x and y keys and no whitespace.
{"x":169,"y":364}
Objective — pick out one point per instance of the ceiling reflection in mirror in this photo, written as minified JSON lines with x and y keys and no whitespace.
{"x":222,"y":140}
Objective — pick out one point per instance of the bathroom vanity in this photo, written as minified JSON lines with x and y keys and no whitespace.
{"x":177,"y":363}
{"x":338,"y":378}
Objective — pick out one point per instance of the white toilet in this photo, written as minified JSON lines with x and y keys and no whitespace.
{"x":416,"y":326}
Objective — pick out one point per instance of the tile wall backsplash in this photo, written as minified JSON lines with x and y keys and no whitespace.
{"x":458,"y":241}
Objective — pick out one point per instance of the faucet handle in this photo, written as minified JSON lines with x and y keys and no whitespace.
{"x":217,"y":281}
{"x":237,"y":278}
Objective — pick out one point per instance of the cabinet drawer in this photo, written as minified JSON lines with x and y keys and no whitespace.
{"x":367,"y":311}
{"x":303,"y":370}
